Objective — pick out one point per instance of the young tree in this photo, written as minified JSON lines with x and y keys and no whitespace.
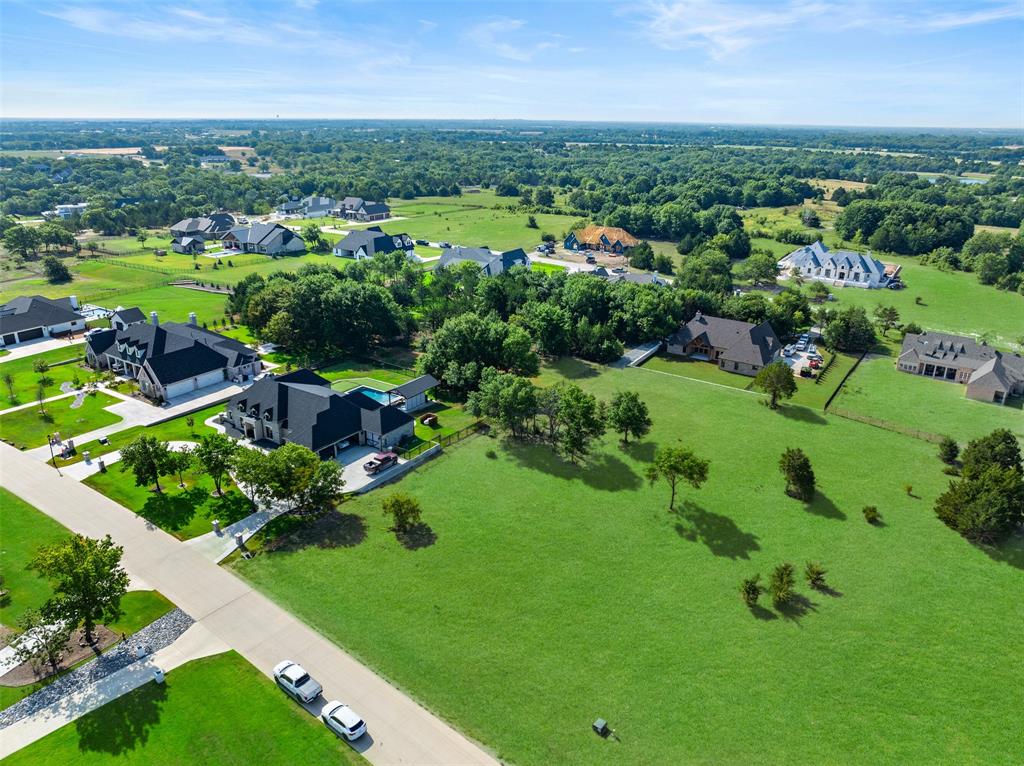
{"x":403,"y":510}
{"x":871,"y":514}
{"x":815,"y":573}
{"x":9,"y":383}
{"x":44,"y":382}
{"x":796,"y":467}
{"x":677,"y":464}
{"x":627,"y":414}
{"x":886,"y":317}
{"x":751,"y":590}
{"x":215,"y":453}
{"x":251,"y":472}
{"x":776,"y":380}
{"x":46,"y":644}
{"x":949,"y":450}
{"x":781,"y":584}
{"x":148,"y":458}
{"x":582,"y":420}
{"x":87,"y":579}
{"x":179,"y":461}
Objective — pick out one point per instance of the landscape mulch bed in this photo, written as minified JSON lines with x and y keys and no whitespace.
{"x":73,"y":654}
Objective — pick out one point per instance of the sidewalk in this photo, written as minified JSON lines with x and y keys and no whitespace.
{"x":43,"y":344}
{"x":194,"y":643}
{"x":402,"y":731}
{"x":217,"y":547}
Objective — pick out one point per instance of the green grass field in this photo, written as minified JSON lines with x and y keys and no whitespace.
{"x":878,"y":390}
{"x":183,"y":512}
{"x":23,"y":530}
{"x":25,"y":379}
{"x":554,"y":594}
{"x":28,"y":427}
{"x":217,"y":710}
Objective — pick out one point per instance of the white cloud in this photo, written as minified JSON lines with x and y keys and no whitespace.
{"x":972,"y":18}
{"x":722,"y":29}
{"x":306,"y":5}
{"x":426,"y":25}
{"x":497,"y":36}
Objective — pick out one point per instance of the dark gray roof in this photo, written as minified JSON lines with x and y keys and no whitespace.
{"x":316,"y":203}
{"x":29,"y":311}
{"x":738,"y":341}
{"x":490,"y":263}
{"x":351,"y":203}
{"x":416,"y":386}
{"x":215,"y":223}
{"x":962,"y":353}
{"x":173,"y":351}
{"x":263,"y":233}
{"x":316,"y":416}
{"x":373,"y":240}
{"x":373,"y":208}
{"x":290,"y":205}
{"x":130,"y":315}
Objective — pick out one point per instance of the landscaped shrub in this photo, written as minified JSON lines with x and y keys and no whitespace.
{"x":871,"y":514}
{"x":751,"y":590}
{"x":815,"y":573}
{"x":949,"y":450}
{"x":796,"y":467}
{"x":781,"y":584}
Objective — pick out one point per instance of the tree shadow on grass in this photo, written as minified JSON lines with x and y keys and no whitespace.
{"x":802,"y":414}
{"x":123,"y":725}
{"x":173,"y":511}
{"x":1009,"y":552}
{"x":798,"y":607}
{"x":417,"y":536}
{"x":575,"y":369}
{"x":828,"y":590}
{"x":719,"y":533}
{"x":602,"y":471}
{"x":229,"y":508}
{"x":822,"y":506}
{"x":642,"y":452}
{"x":332,"y":530}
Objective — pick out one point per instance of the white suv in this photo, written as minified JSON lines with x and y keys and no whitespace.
{"x":343,"y":721}
{"x":296,"y":682}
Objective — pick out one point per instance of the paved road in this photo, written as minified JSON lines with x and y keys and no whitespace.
{"x":400,"y":730}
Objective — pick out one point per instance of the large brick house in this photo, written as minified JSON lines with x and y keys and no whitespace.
{"x":172,"y":359}
{"x":301,"y":407}
{"x":990,"y":375}
{"x":734,"y":346}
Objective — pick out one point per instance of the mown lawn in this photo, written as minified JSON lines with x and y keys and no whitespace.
{"x":23,"y":530}
{"x":575,"y":589}
{"x":217,"y":710}
{"x":184,"y":512}
{"x":28,"y":427}
{"x":173,"y":304}
{"x":878,"y":390}
{"x":26,"y":379}
{"x":171,"y":430}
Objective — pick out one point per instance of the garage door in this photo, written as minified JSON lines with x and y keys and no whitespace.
{"x":9,"y":339}
{"x":31,"y":334}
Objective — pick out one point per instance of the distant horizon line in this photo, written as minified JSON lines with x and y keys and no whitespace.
{"x":530,"y":120}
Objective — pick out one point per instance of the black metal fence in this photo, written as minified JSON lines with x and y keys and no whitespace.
{"x":444,"y":441}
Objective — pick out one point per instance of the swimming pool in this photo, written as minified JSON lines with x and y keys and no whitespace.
{"x":374,"y":394}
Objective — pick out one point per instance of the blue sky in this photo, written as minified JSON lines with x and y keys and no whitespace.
{"x":903,"y":62}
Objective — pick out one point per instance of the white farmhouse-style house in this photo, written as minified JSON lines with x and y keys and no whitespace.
{"x":840,"y":268}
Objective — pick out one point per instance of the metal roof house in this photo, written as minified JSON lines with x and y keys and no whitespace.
{"x":172,"y":359}
{"x":841,"y":268}
{"x":29,"y":317}
{"x":491,"y":264}
{"x":366,"y":243}
{"x":990,"y":375}
{"x":734,"y":346}
{"x":301,"y":407}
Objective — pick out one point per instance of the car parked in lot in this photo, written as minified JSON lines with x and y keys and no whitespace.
{"x":296,"y":682}
{"x":801,"y":346}
{"x":814,"y":364}
{"x":341,"y":719}
{"x":591,"y":259}
{"x":787,"y":351}
{"x":379,"y":462}
{"x":444,"y":245}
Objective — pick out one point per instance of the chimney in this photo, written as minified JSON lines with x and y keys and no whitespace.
{"x":74,"y":301}
{"x":153,"y":318}
{"x":192,"y":318}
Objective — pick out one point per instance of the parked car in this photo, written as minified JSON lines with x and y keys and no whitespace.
{"x":814,"y":364}
{"x":379,"y":462}
{"x":801,"y":346}
{"x":541,"y":249}
{"x":343,"y":721}
{"x":895,"y":285}
{"x":619,"y":270}
{"x":812,"y":349}
{"x":787,"y":351}
{"x":806,"y":372}
{"x":296,"y":682}
{"x":444,"y":245}
{"x":422,"y":242}
{"x":591,"y":259}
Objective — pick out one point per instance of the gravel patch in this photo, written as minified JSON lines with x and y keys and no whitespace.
{"x":155,"y":636}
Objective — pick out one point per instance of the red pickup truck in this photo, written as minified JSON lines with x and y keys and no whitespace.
{"x":379,"y":462}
